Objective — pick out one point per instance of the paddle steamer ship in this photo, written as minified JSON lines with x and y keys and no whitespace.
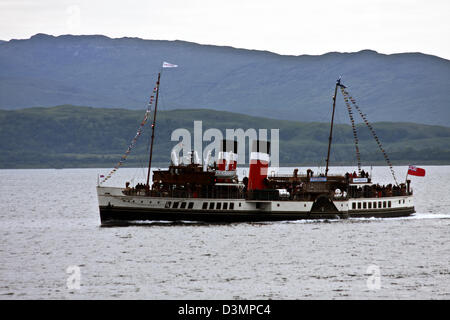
{"x":214,"y":193}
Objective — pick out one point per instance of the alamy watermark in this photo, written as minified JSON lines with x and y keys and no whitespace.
{"x":74,"y":279}
{"x":73,"y":21}
{"x":215,"y":136}
{"x":374,"y":280}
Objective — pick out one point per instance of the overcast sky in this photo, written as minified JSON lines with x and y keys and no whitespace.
{"x":282,"y":26}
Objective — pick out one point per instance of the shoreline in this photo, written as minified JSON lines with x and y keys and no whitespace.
{"x":287,"y":165}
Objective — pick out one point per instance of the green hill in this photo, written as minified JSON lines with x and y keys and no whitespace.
{"x":71,"y":136}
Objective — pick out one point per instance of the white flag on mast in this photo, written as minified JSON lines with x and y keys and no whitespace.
{"x":169,"y":65}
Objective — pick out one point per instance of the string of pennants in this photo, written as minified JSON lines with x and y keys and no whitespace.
{"x":134,"y":140}
{"x":366,"y":122}
{"x":355,"y":135}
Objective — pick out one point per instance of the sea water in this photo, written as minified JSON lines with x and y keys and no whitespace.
{"x":53,"y":247}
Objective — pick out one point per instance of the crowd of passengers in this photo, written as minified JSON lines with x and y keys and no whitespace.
{"x":378,"y":191}
{"x":363,"y":174}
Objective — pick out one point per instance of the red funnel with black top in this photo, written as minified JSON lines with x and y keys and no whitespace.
{"x":259,"y":164}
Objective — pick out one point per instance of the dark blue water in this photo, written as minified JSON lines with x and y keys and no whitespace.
{"x":49,"y":222}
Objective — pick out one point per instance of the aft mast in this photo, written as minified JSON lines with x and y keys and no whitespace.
{"x":338,"y":84}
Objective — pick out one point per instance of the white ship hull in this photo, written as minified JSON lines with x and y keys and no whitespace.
{"x":116,"y":206}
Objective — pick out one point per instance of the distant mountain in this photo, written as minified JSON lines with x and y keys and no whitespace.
{"x":69,"y":136}
{"x":103,"y":72}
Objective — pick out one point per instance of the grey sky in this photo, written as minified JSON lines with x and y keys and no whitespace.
{"x":282,"y":26}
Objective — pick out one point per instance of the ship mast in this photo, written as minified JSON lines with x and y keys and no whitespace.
{"x":153,"y":133}
{"x":338,"y":84}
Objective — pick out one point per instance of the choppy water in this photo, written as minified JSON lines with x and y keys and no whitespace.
{"x":49,"y":221}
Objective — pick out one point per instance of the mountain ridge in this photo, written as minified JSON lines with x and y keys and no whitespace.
{"x":101,"y":36}
{"x":120,"y":72}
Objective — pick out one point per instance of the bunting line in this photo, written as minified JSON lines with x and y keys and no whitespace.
{"x":134,"y":140}
{"x":371,"y":129}
{"x":355,"y":135}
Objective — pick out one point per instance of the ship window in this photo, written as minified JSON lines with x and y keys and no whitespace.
{"x":403,"y":200}
{"x":384,"y":204}
{"x":225,"y":206}
{"x":191,"y":205}
{"x":211,"y":205}
{"x":232,"y":206}
{"x":359,"y":205}
{"x":374,"y":204}
{"x":389,"y":204}
{"x":175,"y":205}
{"x":399,"y":201}
{"x":183,"y":205}
{"x":240,"y":204}
{"x":168,"y":203}
{"x":218,"y":205}
{"x":278,"y":204}
{"x":205,"y":205}
{"x":379,"y":204}
{"x":364,"y":205}
{"x":369,"y":205}
{"x":354,"y":205}
{"x":142,"y":201}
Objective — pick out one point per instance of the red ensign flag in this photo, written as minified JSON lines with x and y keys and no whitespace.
{"x":414,"y":171}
